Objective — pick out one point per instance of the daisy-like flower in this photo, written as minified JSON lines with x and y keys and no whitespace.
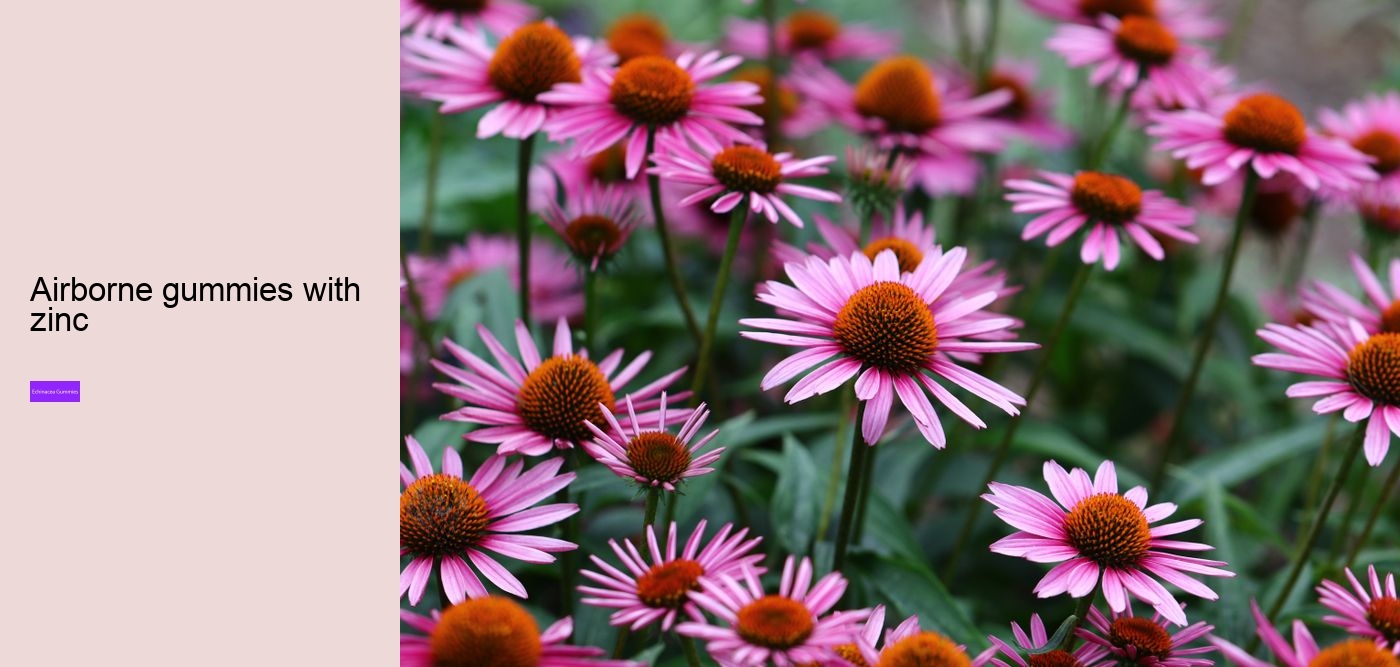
{"x":1188,"y":18}
{"x":546,"y":403}
{"x":1108,"y":204}
{"x":798,"y":115}
{"x":1305,"y":652}
{"x":1136,"y":50}
{"x":1030,"y":113}
{"x":434,"y":18}
{"x":737,"y":173}
{"x":637,"y":35}
{"x":1372,"y":126}
{"x":1365,"y":612}
{"x":1380,"y":315}
{"x":555,"y":290}
{"x":654,"y":458}
{"x":493,"y":631}
{"x":875,"y":182}
{"x":1095,"y":533}
{"x":1145,"y":642}
{"x":907,"y":644}
{"x":595,"y":224}
{"x":466,"y":73}
{"x":1030,"y":650}
{"x":907,"y":235}
{"x":892,"y":331}
{"x":445,"y":521}
{"x":1262,"y":132}
{"x":676,"y":97}
{"x":664,"y":588}
{"x":1363,"y":380}
{"x":788,"y":628}
{"x":564,"y":177}
{"x":900,"y":105}
{"x":812,"y":34}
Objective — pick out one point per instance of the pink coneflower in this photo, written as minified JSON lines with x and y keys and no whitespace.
{"x":445,"y":520}
{"x":466,"y":73}
{"x":1136,"y":51}
{"x":493,"y":631}
{"x":894,"y":330}
{"x":1108,"y":204}
{"x":1305,"y":652}
{"x":1363,"y":379}
{"x":654,"y":458}
{"x":1381,"y":315}
{"x":1373,"y":612}
{"x":900,"y":105}
{"x":562,"y":176}
{"x":907,"y":644}
{"x":594,"y":224}
{"x":798,"y":115}
{"x":1372,"y":126}
{"x":434,"y":18}
{"x":1279,"y":203}
{"x":1096,"y":531}
{"x":1188,"y":18}
{"x":546,"y":403}
{"x":555,"y":289}
{"x":1264,"y":132}
{"x":675,"y":97}
{"x":906,"y":234}
{"x":1033,"y":645}
{"x":1030,"y":113}
{"x":1145,"y":642}
{"x":787,"y":628}
{"x":637,"y":35}
{"x":734,"y":174}
{"x":664,"y":588}
{"x":812,"y":34}
{"x":876,"y":180}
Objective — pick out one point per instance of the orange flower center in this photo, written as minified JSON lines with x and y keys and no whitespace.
{"x":560,"y":394}
{"x":760,"y":76}
{"x":653,"y":90}
{"x":808,"y":29}
{"x":900,"y":91}
{"x":1118,"y":8}
{"x":1384,"y":615}
{"x":531,"y":60}
{"x":1382,"y":145}
{"x":1373,"y":368}
{"x":666,"y":585}
{"x":1266,"y":123}
{"x":1142,"y":634}
{"x":1354,"y":653}
{"x":637,"y":35}
{"x":746,"y":169}
{"x":1106,"y":197}
{"x":1109,"y":530}
{"x":460,"y":6}
{"x":1021,"y":100}
{"x":888,"y":326}
{"x":609,"y":165}
{"x":851,"y":653}
{"x":593,"y":235}
{"x":1274,"y":212}
{"x":925,"y":649}
{"x":775,"y":622}
{"x":908,"y":254}
{"x":486,"y":632}
{"x":1145,"y":40}
{"x":1056,"y":658}
{"x":439,"y":515}
{"x":658,"y":455}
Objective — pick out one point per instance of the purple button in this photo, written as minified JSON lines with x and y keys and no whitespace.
{"x":54,"y":391}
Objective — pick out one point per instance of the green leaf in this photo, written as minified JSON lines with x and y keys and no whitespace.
{"x":1233,"y":617}
{"x":914,"y":589}
{"x":1053,"y":442}
{"x":487,"y":299}
{"x":1058,"y":639}
{"x":889,"y":529}
{"x":794,"y":506}
{"x":1246,"y":461}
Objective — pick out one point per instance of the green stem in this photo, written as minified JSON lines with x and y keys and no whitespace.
{"x":1358,"y":496}
{"x":707,"y":343}
{"x":692,"y":655}
{"x":590,"y":312}
{"x":771,"y":109}
{"x":436,"y":129}
{"x":1319,"y":467}
{"x":1105,"y":144}
{"x":667,"y":251}
{"x":1222,"y":293}
{"x":1314,"y":530}
{"x":1076,"y":288}
{"x":620,"y":646}
{"x":867,"y":470}
{"x":653,"y":498}
{"x":1242,"y":21}
{"x":989,"y":41}
{"x":833,"y":481}
{"x":1300,"y":254}
{"x":962,"y":32}
{"x":1381,"y":504}
{"x":848,"y":506}
{"x":522,"y":222}
{"x":1081,"y":611}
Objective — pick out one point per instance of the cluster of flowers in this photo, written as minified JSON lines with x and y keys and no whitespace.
{"x":882,"y":308}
